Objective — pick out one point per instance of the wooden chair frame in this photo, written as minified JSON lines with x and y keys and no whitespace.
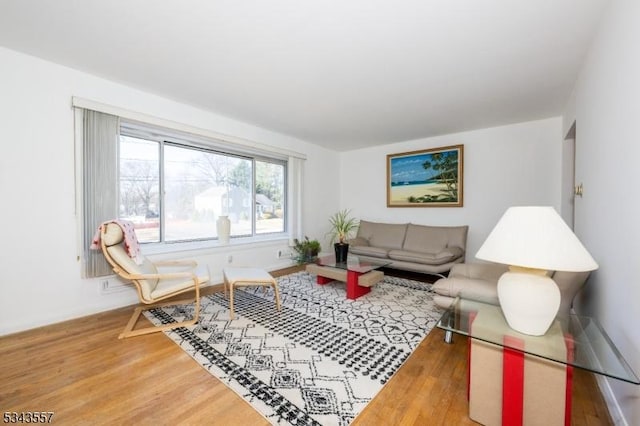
{"x":129,"y":330}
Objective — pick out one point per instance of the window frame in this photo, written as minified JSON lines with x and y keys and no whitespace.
{"x":165,"y":136}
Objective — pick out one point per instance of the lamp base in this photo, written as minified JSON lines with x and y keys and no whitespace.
{"x":529,"y":301}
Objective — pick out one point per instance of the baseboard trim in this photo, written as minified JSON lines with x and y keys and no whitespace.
{"x":615,"y":411}
{"x":613,"y":407}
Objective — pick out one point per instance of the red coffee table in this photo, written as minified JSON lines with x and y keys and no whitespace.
{"x":359,"y":275}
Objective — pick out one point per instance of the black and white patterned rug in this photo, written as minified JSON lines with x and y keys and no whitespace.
{"x":319,"y":360}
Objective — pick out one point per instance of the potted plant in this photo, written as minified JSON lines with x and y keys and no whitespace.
{"x":341,"y":228}
{"x":307,"y":250}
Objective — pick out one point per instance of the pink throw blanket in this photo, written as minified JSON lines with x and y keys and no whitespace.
{"x":131,"y":244}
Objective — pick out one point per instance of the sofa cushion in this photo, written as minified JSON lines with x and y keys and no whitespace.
{"x":387,"y":235}
{"x":433,"y":239}
{"x":425,"y":239}
{"x":369,"y":251}
{"x":444,"y":256}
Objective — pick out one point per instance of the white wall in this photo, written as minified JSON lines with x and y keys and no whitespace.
{"x":503,"y":166}
{"x":40,"y":281}
{"x":606,"y":107}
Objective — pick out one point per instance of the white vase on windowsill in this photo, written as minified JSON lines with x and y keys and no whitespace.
{"x":223,"y":225}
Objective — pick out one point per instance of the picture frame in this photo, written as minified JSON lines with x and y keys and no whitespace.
{"x":426,"y":178}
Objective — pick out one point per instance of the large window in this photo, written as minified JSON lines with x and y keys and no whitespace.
{"x":174,"y":181}
{"x":175,"y":189}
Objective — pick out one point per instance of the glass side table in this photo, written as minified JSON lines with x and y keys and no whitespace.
{"x":513,"y":376}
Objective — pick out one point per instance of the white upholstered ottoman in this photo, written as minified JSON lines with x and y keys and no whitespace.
{"x":235,"y":277}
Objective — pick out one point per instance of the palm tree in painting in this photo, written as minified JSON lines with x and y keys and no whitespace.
{"x":446,"y":166}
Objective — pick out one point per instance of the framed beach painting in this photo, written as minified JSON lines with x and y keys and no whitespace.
{"x":427,"y":178}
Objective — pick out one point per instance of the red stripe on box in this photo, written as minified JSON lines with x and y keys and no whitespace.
{"x":569,"y":342}
{"x":512,"y":381}
{"x":472,"y":317}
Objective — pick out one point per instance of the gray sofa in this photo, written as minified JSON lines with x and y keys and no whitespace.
{"x":411,"y":247}
{"x":479,"y":281}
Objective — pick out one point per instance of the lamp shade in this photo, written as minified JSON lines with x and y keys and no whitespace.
{"x":536,"y":237}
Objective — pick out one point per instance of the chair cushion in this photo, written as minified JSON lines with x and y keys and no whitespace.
{"x":247,"y":275}
{"x":113,"y":235}
{"x":122,"y":259}
{"x":173,"y":285}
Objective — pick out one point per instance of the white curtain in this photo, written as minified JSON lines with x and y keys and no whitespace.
{"x":295,"y":172}
{"x":99,"y":183}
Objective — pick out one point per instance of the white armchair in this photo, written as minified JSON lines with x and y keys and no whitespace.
{"x":155,"y":282}
{"x":478,"y":281}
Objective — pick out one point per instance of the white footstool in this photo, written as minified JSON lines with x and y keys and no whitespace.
{"x":234,"y":277}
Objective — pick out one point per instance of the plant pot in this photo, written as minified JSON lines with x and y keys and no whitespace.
{"x":310,"y":255}
{"x":342,"y":250}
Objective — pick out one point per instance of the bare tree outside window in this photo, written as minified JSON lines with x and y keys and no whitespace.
{"x":269,"y":197}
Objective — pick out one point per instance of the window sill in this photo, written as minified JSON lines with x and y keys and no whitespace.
{"x":213,"y":245}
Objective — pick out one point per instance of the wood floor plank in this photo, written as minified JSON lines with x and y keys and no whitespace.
{"x":82,"y":372}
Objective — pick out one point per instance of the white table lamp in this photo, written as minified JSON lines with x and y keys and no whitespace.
{"x":533,"y":240}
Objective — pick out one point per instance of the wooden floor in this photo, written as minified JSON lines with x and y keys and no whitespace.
{"x":81,"y":372}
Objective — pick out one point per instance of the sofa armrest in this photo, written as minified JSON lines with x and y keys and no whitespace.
{"x":481,"y":271}
{"x":468,"y":288}
{"x":452,"y":253}
{"x":359,"y":241}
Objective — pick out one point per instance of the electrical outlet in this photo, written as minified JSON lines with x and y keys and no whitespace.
{"x":284,"y":254}
{"x":229,"y":259}
{"x":112,"y":286}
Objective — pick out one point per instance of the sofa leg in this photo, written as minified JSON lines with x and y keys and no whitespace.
{"x":448,"y":336}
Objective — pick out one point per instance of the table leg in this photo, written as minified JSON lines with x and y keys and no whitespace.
{"x":324,"y":280}
{"x":353,"y":289}
{"x":231,"y":313}
{"x":448,"y":336}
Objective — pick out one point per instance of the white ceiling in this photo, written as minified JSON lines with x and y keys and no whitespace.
{"x":344,"y":74}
